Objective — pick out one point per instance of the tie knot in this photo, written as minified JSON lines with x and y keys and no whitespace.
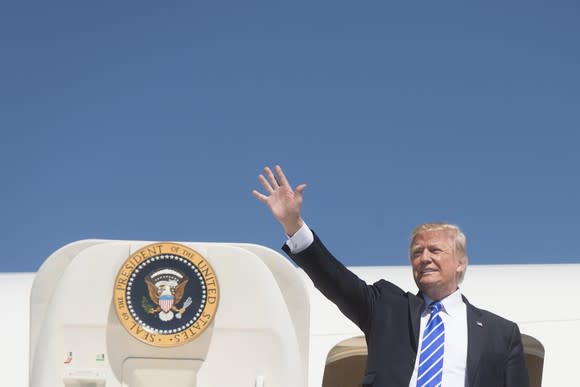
{"x":435,"y":307}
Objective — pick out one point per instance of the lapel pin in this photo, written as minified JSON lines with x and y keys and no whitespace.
{"x":479,"y":323}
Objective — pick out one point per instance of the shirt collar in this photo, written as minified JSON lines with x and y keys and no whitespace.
{"x":451,"y":304}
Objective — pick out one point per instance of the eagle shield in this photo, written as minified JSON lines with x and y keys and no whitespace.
{"x":166,"y":288}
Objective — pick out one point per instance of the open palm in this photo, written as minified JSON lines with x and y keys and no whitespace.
{"x":284,"y":202}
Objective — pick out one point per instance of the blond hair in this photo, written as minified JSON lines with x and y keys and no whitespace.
{"x":457,"y":237}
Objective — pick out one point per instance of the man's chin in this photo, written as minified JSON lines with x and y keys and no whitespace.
{"x":427,"y":282}
{"x":429,"y":278}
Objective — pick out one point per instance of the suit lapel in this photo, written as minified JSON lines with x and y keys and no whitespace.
{"x":416,"y":307}
{"x":476,"y":332}
{"x":476,"y":329}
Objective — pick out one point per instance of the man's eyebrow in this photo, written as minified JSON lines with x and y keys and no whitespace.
{"x":439,"y":244}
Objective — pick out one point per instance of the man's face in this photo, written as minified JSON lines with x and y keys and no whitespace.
{"x":435,"y":266}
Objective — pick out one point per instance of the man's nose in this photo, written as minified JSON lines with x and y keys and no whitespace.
{"x":426,"y":256}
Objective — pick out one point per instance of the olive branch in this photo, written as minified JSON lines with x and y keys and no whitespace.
{"x":146,"y":305}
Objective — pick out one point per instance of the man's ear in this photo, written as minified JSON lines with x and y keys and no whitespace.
{"x":461,"y":269}
{"x":462,"y":264}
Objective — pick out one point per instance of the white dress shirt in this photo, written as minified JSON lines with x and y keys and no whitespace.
{"x":453,"y":314}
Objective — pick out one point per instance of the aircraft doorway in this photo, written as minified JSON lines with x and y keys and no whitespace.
{"x":534,"y":351}
{"x":346,"y":361}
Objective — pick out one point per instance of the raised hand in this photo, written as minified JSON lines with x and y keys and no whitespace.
{"x":284,"y":203}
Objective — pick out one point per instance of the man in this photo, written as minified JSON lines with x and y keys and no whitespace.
{"x":434,"y":338}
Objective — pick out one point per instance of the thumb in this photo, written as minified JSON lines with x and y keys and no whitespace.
{"x":299,"y":190}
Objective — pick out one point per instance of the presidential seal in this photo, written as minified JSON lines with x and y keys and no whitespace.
{"x":166,"y":294}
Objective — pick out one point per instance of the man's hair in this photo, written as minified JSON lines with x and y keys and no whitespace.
{"x":457,"y":237}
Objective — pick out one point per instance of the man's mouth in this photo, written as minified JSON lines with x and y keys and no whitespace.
{"x":427,"y":271}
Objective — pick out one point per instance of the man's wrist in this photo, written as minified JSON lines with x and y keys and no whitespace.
{"x":301,"y":239}
{"x":291,"y":228}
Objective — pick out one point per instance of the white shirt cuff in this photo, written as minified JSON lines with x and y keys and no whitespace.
{"x":300,"y":240}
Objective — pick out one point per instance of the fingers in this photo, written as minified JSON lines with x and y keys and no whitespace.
{"x":271,"y":184}
{"x":265,"y":184}
{"x":273,"y":181}
{"x":261,"y":197}
{"x":281,"y":176}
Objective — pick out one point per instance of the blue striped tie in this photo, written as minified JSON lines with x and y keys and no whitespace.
{"x":431,"y":357}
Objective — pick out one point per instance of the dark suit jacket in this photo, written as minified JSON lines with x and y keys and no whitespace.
{"x":390,"y":320}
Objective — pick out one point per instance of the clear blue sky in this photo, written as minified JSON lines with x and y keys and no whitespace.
{"x":152,"y":120}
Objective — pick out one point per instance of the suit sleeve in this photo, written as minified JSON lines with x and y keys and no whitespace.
{"x":352,"y":295}
{"x":516,"y":371}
